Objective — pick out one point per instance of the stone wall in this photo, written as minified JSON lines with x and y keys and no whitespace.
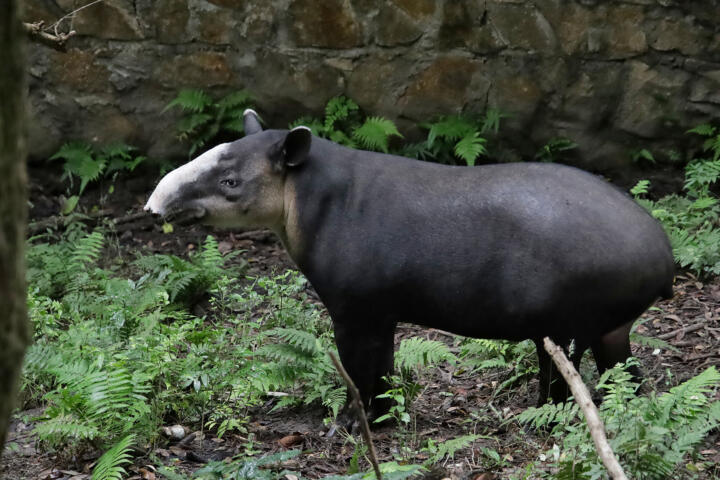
{"x":611,"y":75}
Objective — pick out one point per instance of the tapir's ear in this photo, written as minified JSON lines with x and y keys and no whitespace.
{"x":295,"y":147}
{"x":251,"y":122}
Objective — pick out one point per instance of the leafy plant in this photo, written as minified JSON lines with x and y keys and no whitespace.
{"x":415,"y":354}
{"x":398,"y":409}
{"x":188,"y":280}
{"x":375,"y":133}
{"x":439,"y":451}
{"x":205,"y":119}
{"x":552,"y":151}
{"x":88,"y":163}
{"x":344,"y":124}
{"x":654,"y":435}
{"x":456,"y":138}
{"x":692,"y":220}
{"x":643,"y":154}
{"x":109,"y":466}
{"x":514,"y":360}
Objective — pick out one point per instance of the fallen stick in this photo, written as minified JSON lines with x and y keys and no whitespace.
{"x":357,"y":405}
{"x":56,"y":221}
{"x":688,"y":329}
{"x":40,"y":226}
{"x":592,"y":416}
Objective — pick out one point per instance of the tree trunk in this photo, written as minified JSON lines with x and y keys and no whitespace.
{"x":14,"y":334}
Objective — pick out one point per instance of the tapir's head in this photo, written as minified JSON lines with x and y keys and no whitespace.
{"x":235,"y":184}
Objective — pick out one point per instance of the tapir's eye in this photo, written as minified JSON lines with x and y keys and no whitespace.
{"x":229,"y":182}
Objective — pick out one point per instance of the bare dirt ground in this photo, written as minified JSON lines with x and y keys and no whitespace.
{"x":451,"y":404}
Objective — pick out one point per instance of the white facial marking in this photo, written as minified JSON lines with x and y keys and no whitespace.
{"x":187,"y":173}
{"x":249,"y":111}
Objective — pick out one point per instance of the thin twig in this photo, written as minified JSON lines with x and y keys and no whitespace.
{"x":55,"y":41}
{"x":592,"y":416}
{"x":688,"y":329}
{"x":359,"y":408}
{"x":55,"y":25}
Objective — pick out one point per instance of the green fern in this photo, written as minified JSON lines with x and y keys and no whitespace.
{"x":232,"y":101}
{"x":110,"y":465}
{"x":338,"y":109}
{"x":470,"y":147}
{"x":191,"y":100}
{"x":302,"y":340}
{"x":451,"y":128}
{"x":416,"y":353}
{"x":456,"y":138}
{"x":87,"y":251}
{"x":447,"y":449}
{"x":343,"y":124}
{"x":374,"y":134}
{"x":81,"y":162}
{"x":65,"y":427}
{"x":549,"y":414}
{"x":652,"y":435}
{"x":491,"y":120}
{"x":206,"y":120}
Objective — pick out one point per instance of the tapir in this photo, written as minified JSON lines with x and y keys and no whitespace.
{"x":503,"y":251}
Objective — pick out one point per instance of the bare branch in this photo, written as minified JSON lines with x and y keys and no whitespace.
{"x":359,"y":408}
{"x":55,"y":41}
{"x":55,"y":25}
{"x":683,"y":331}
{"x":592,"y":416}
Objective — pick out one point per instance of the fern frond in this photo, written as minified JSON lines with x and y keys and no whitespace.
{"x":305,"y":341}
{"x":63,"y":427}
{"x":315,"y":125}
{"x":338,"y":109}
{"x":491,"y":122}
{"x":192,"y":100}
{"x":706,"y":130}
{"x":548,"y":414}
{"x":448,"y":448}
{"x":374,"y":134}
{"x":287,"y":355}
{"x":87,"y":251}
{"x":451,"y":128}
{"x":232,"y":101}
{"x":415,"y":353}
{"x":470,"y":147}
{"x":334,"y":399}
{"x":81,"y":161}
{"x":192,"y":123}
{"x":109,"y":392}
{"x":110,"y":465}
{"x":118,"y":150}
{"x":211,"y":258}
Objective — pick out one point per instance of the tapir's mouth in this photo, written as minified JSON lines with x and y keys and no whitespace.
{"x":186,"y":216}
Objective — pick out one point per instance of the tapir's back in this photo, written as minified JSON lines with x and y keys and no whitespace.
{"x":516,"y":242}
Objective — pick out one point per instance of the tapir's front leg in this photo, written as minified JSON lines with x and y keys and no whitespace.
{"x":366,"y":351}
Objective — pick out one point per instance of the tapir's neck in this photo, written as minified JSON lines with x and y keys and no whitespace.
{"x":288,"y":226}
{"x":312,"y":196}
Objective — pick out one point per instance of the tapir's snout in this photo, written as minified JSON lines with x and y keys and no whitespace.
{"x":158,"y":202}
{"x":177,"y":193}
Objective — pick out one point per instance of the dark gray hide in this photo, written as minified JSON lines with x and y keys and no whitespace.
{"x":512,"y":251}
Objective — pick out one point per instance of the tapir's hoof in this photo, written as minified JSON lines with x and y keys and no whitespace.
{"x":345,"y":421}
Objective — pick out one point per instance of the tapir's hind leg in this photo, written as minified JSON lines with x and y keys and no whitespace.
{"x":366,"y":351}
{"x":614,"y":347}
{"x":552,"y":383}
